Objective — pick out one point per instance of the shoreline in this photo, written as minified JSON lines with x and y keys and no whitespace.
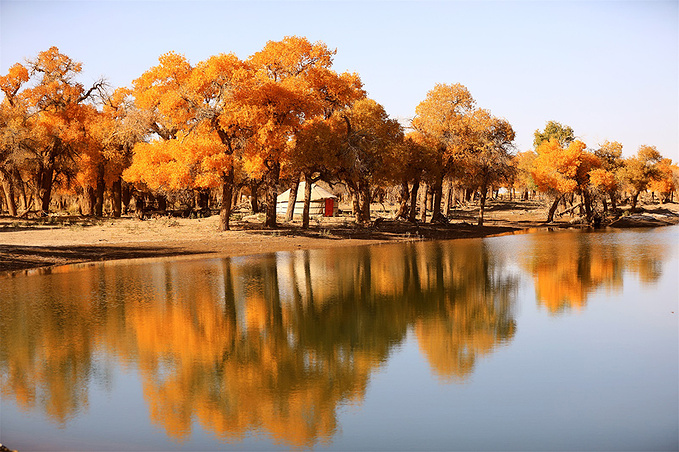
{"x":28,"y":246}
{"x":18,"y":259}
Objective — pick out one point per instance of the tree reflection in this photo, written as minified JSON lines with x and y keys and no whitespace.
{"x":47,"y":347}
{"x":569,"y":266}
{"x":275,"y":344}
{"x":472,"y":314}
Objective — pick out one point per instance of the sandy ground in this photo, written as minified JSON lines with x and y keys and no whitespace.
{"x":57,"y":240}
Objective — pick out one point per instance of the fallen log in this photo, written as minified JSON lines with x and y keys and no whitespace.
{"x":570,"y":209}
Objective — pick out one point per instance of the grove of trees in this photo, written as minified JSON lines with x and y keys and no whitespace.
{"x":199,"y":135}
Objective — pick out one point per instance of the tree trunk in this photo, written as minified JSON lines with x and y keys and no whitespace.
{"x":447,"y":198}
{"x":227,"y":192}
{"x":413,"y":201}
{"x":614,"y":201}
{"x":20,"y":189}
{"x":423,"y":203}
{"x":587,"y":200}
{"x":482,"y":204}
{"x":99,"y":192}
{"x":139,"y":205}
{"x":46,"y":180}
{"x":552,"y":210}
{"x":202,"y":200}
{"x":8,"y":188}
{"x":2,"y":199}
{"x":161,"y":200}
{"x":356,"y":206}
{"x":437,"y":196}
{"x":365,"y":203}
{"x":254,"y":196}
{"x":362,"y":203}
{"x":307,"y":201}
{"x":235,"y":196}
{"x":116,"y":201}
{"x":635,"y":198}
{"x":126,"y":196}
{"x":292,"y":199}
{"x":271,"y":177}
{"x":403,"y":204}
{"x":87,"y":201}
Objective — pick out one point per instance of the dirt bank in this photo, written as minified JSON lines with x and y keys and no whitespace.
{"x":27,"y":244}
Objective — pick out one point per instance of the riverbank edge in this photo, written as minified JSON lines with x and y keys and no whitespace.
{"x":20,"y":259}
{"x":17,"y":259}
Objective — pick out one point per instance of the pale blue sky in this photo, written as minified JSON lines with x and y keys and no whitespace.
{"x":609,"y":69}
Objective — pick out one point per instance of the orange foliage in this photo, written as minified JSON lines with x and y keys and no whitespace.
{"x":11,"y":83}
{"x":603,"y":179}
{"x":567,"y":268}
{"x":563,"y":170}
{"x":523,"y":164}
{"x":191,"y":160}
{"x":667,"y":178}
{"x":50,"y":121}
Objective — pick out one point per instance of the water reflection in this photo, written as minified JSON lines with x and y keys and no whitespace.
{"x":569,"y":266}
{"x":270,"y":344}
{"x":275,"y":344}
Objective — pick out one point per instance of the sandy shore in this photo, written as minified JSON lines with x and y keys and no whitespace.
{"x":28,"y":244}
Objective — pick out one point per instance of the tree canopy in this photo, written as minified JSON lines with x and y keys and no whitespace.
{"x":279,"y":115}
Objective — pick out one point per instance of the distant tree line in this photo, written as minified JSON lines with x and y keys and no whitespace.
{"x":199,"y":135}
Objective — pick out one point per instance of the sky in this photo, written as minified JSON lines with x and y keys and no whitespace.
{"x":608,"y":69}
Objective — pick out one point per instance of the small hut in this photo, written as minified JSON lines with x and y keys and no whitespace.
{"x":322,"y":202}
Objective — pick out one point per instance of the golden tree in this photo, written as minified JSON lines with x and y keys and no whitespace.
{"x":554,"y":130}
{"x":49,"y":118}
{"x":558,"y":170}
{"x":523,"y":180}
{"x":196,"y":115}
{"x":415,"y":161}
{"x":121,"y":125}
{"x":290,"y":81}
{"x":370,"y":152}
{"x":607,"y":178}
{"x":443,"y":118}
{"x":315,"y":149}
{"x":15,"y":136}
{"x":486,"y":159}
{"x":315,"y":155}
{"x":667,"y":179}
{"x":640,"y":170}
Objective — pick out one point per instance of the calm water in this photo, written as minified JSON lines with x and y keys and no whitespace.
{"x":549,"y":341}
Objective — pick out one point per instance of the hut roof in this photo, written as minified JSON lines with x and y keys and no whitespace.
{"x":317,"y":193}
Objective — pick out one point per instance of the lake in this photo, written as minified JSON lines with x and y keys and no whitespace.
{"x":564,"y":340}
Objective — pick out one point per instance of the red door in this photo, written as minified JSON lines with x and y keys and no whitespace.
{"x":329,"y":207}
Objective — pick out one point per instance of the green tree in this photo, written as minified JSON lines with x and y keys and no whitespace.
{"x":563,"y":134}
